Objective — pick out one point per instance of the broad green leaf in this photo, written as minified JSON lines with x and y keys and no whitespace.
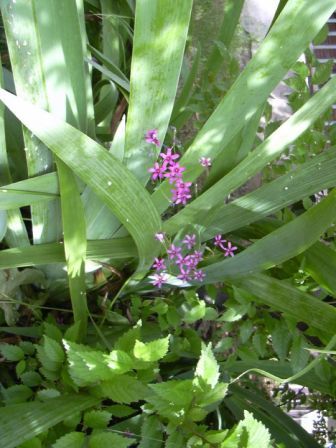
{"x":207,"y":367}
{"x":308,"y":178}
{"x":97,"y":419}
{"x":54,"y":253}
{"x":151,"y":433}
{"x":107,"y":177}
{"x":72,"y":439}
{"x":35,"y":418}
{"x":284,"y":243}
{"x":122,"y":389}
{"x":160,"y":34}
{"x":151,"y":351}
{"x":109,"y":439}
{"x":11,"y":352}
{"x":282,"y":296}
{"x":275,"y":56}
{"x":204,"y":207}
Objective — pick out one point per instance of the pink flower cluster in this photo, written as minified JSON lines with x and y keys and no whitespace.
{"x":169,"y":169}
{"x":186,"y":263}
{"x":229,"y":250}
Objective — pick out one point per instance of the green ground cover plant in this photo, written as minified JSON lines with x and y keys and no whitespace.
{"x":146,"y":298}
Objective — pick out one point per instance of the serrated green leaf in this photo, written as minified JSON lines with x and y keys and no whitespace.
{"x":207,"y":367}
{"x":151,"y":433}
{"x":249,"y":433}
{"x":175,"y":440}
{"x":299,"y":356}
{"x":109,"y":439}
{"x":97,"y":419}
{"x":53,"y":350}
{"x":119,"y":410}
{"x":86,"y":366}
{"x":16,"y":394}
{"x":151,"y":351}
{"x":47,"y":363}
{"x":47,"y":394}
{"x":193,"y":312}
{"x":31,"y":379}
{"x":11,"y":352}
{"x":281,"y":337}
{"x":70,"y":440}
{"x":119,"y":362}
{"x":123,"y":389}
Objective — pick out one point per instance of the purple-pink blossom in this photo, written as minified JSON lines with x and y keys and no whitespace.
{"x":229,"y":250}
{"x":173,"y":252}
{"x":158,"y":172}
{"x":168,"y":157}
{"x":160,"y":236}
{"x":159,"y":279}
{"x":175,"y":172}
{"x":219,"y":241}
{"x":152,"y":137}
{"x":205,"y":161}
{"x":159,"y":264}
{"x":184,"y":275}
{"x":199,"y":275}
{"x":189,"y":241}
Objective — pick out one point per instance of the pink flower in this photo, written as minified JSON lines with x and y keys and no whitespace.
{"x":157,"y":171}
{"x":173,"y":251}
{"x":189,"y":241}
{"x":197,"y":255}
{"x":229,"y":250}
{"x":159,"y":264}
{"x":159,"y":279}
{"x":219,"y":241}
{"x":180,"y":196}
{"x":160,"y":236}
{"x":151,"y":137}
{"x":190,"y":262}
{"x":199,"y":275}
{"x":184,"y":275}
{"x":168,"y":157}
{"x":205,"y":161}
{"x":175,"y":172}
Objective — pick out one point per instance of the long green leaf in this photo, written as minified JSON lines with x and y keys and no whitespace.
{"x":36,"y":418}
{"x":204,"y":207}
{"x":274,"y":58}
{"x":306,"y":179}
{"x":160,"y":35}
{"x":232,"y":11}
{"x":320,"y":263}
{"x":99,"y":250}
{"x":107,"y":177}
{"x":282,"y":296}
{"x":26,"y":192}
{"x":284,"y":243}
{"x":16,"y":234}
